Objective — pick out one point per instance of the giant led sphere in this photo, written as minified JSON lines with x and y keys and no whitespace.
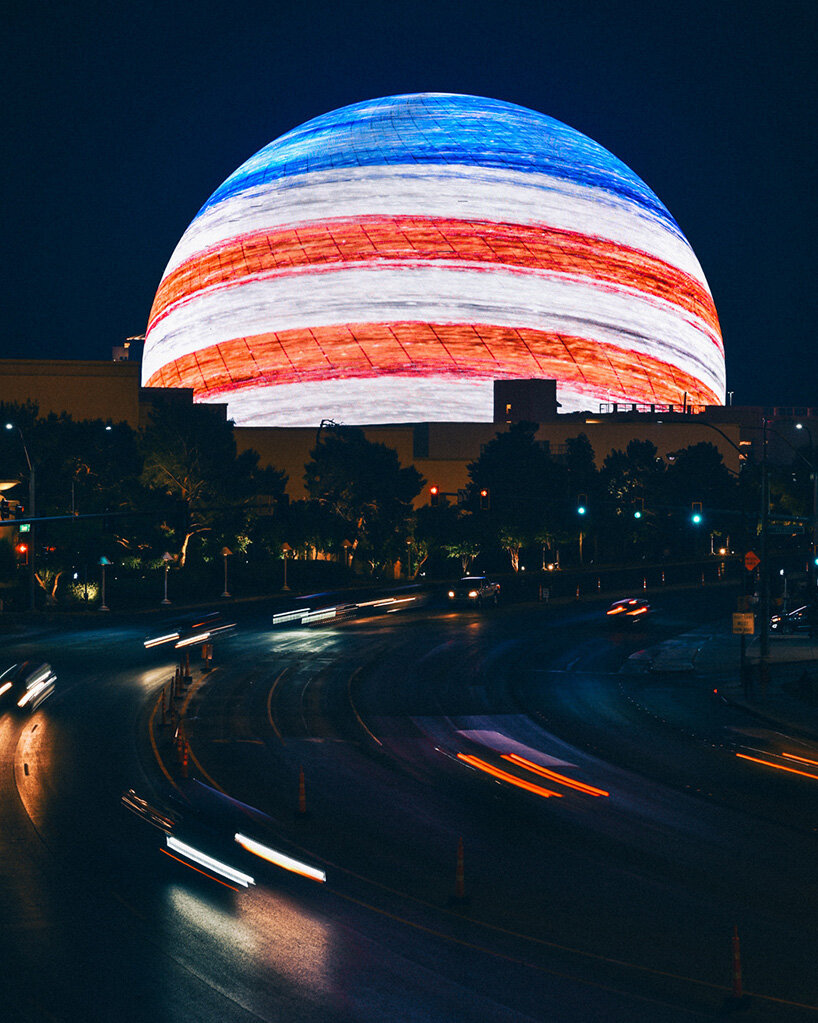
{"x":386,"y":262}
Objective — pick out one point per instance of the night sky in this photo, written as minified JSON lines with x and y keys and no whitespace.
{"x":121,"y":119}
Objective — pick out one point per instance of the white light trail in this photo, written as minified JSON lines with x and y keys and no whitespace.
{"x":280,"y":859}
{"x":208,"y":861}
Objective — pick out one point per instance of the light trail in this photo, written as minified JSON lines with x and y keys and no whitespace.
{"x":203,"y":872}
{"x":562,"y":779}
{"x":778,"y":767}
{"x":512,"y":779}
{"x":237,"y":876}
{"x":280,"y":859}
{"x":801,"y":760}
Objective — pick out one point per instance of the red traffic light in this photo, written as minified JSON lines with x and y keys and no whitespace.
{"x":22,"y":548}
{"x":434,"y":490}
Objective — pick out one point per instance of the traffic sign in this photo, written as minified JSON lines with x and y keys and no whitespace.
{"x":751,"y":561}
{"x":743,"y":623}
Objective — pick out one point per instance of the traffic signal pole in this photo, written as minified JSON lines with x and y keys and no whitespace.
{"x":32,"y":544}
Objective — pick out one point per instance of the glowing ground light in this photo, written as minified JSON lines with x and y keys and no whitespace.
{"x":511,"y":779}
{"x":562,"y":779}
{"x":387,"y":261}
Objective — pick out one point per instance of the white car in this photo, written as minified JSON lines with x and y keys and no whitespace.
{"x":27,"y":684}
{"x":475,"y":590}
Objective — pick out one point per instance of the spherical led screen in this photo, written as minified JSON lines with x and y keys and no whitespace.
{"x":388,"y":261}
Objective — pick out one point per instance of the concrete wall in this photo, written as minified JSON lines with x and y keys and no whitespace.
{"x":86,"y":390}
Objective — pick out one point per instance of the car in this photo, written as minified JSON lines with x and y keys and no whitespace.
{"x":26,"y":685}
{"x":190,"y":630}
{"x":802,"y":619}
{"x":630,"y":610}
{"x":475,"y":590}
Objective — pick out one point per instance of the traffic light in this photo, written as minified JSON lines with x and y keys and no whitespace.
{"x":484,"y":499}
{"x":22,"y":553}
{"x":434,"y":495}
{"x":696,"y":512}
{"x":638,"y":507}
{"x":582,"y":504}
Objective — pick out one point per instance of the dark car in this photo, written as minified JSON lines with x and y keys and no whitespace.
{"x":142,"y":808}
{"x":26,"y":685}
{"x":628,"y":610}
{"x":475,"y":590}
{"x":190,"y":630}
{"x":802,"y":619}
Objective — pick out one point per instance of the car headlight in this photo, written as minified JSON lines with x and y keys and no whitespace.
{"x":451,"y":593}
{"x":473,"y":593}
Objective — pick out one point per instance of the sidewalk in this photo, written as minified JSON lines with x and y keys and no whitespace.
{"x":789,"y":699}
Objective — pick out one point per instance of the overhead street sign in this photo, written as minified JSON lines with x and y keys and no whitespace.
{"x":751,"y":561}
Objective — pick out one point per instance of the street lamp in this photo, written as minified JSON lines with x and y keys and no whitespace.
{"x":167,"y":557}
{"x":226,"y":553}
{"x":104,"y":562}
{"x":32,"y":571}
{"x":800,"y":426}
{"x":285,"y":553}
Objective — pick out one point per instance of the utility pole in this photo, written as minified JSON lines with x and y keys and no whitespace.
{"x":764,"y":659}
{"x":32,"y":511}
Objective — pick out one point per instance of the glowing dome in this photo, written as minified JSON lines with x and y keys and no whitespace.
{"x":387,"y":261}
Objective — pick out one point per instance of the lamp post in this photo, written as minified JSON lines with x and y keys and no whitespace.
{"x":104,"y":562}
{"x":764,"y":639}
{"x":32,"y":546}
{"x":285,"y":553}
{"x":813,"y":572}
{"x":227,"y":553}
{"x":167,"y":557}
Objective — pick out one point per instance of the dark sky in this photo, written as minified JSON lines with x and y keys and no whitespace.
{"x":120,"y":119}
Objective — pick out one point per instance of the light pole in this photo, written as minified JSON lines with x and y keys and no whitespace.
{"x":813,"y":572}
{"x":227,"y":553}
{"x":764,"y":639}
{"x":285,"y":552}
{"x":32,"y":546}
{"x":167,"y":557}
{"x":104,"y":562}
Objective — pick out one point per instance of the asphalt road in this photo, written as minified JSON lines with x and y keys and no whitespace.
{"x":606,"y":889}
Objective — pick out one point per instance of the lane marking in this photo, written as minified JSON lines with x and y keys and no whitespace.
{"x":281,"y":674}
{"x":155,"y":747}
{"x":355,"y":709}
